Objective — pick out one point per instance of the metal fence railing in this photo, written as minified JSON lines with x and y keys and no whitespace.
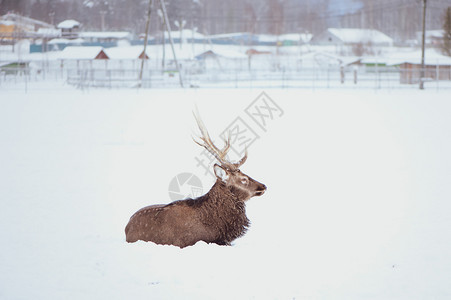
{"x":333,"y":77}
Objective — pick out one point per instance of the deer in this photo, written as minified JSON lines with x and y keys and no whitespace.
{"x":217,"y":217}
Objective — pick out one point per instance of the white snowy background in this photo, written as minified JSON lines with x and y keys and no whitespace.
{"x":357,"y":206}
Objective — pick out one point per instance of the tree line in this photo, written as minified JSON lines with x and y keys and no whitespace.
{"x":400,"y":19}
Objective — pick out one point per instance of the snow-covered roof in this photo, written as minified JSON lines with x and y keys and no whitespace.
{"x":7,"y":22}
{"x":79,"y":53}
{"x":105,"y":34}
{"x":319,"y":58}
{"x":49,"y":31}
{"x":65,"y":41}
{"x":186,"y":34}
{"x":357,"y":35}
{"x":229,"y":35}
{"x":68,"y":24}
{"x":268,"y":38}
{"x":431,"y":35}
{"x":226,"y":53}
{"x":296,"y":37}
{"x":438,"y":33}
{"x":132,"y":52}
{"x":431,"y":58}
{"x":23,"y":21}
{"x":290,"y":37}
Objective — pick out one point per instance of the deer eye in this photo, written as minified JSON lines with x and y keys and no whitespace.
{"x":244,"y":181}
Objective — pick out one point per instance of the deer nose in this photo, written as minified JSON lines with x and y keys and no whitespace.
{"x":261,"y":190}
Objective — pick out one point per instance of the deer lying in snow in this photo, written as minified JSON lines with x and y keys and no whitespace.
{"x":218,"y":217}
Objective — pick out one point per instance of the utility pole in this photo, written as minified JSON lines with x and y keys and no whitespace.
{"x":163,"y":40}
{"x":143,"y":58}
{"x":168,"y":28}
{"x":102,"y":19}
{"x":423,"y":41}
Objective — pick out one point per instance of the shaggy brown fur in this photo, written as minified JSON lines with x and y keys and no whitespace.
{"x":216,"y":217}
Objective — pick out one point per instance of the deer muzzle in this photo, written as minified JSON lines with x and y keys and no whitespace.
{"x":260,"y":190}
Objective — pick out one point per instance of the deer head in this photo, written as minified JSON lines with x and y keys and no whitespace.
{"x":240,"y":184}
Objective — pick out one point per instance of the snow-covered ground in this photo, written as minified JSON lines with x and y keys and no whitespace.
{"x":357,"y":205}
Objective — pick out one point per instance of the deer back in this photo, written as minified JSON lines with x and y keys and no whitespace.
{"x":175,"y":224}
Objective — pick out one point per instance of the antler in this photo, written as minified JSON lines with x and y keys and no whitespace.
{"x":242,"y":160}
{"x":220,"y":155}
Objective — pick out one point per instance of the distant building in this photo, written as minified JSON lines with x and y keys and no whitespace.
{"x":352,"y":36}
{"x":70,"y":29}
{"x":113,"y":37}
{"x":249,"y":39}
{"x":22,"y":23}
{"x":218,"y":59}
{"x":437,"y":66}
{"x":127,"y":53}
{"x":16,"y":27}
{"x":410,"y":73}
{"x":433,"y":37}
{"x":103,"y":39}
{"x":323,"y":61}
{"x":289,"y":39}
{"x":237,"y":38}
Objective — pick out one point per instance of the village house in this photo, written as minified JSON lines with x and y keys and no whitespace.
{"x":69,"y":29}
{"x":14,"y":27}
{"x":436,"y":66}
{"x":353,"y":41}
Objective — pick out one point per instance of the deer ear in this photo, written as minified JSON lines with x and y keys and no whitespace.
{"x":220,"y":172}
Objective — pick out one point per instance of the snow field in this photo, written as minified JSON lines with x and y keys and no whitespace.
{"x":356,"y":207}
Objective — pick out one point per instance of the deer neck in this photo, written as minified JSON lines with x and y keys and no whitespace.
{"x":220,"y":191}
{"x":227,"y":210}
